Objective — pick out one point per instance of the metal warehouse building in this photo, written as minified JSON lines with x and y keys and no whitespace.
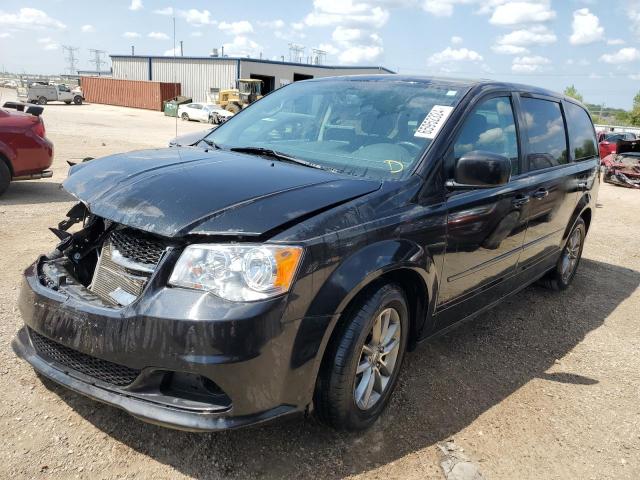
{"x":200,"y":76}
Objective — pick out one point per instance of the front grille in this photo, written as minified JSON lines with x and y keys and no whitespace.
{"x":107,"y":372}
{"x":110,"y":277}
{"x":136,"y":247}
{"x":126,"y":262}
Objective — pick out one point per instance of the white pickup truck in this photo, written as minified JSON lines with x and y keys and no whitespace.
{"x":41,"y":93}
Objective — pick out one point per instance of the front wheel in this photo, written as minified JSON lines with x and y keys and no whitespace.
{"x":562,"y":275}
{"x":77,"y":100}
{"x":5,"y":177}
{"x":362,"y":362}
{"x":185,"y":117}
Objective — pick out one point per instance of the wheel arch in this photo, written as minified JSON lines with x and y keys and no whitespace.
{"x":6,"y":160}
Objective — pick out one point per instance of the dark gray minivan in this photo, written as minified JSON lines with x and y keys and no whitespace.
{"x":290,"y":259}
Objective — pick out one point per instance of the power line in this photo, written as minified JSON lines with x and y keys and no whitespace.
{"x":71,"y":58}
{"x":97,"y":58}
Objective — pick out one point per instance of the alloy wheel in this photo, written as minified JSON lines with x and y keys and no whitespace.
{"x":378,"y":359}
{"x":571,"y":255}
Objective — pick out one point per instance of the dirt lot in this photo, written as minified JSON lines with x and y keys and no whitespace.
{"x":546,"y":385}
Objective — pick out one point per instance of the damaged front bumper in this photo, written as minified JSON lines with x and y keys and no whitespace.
{"x":179,"y":358}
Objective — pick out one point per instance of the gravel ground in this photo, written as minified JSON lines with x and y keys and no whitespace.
{"x":545,"y":385}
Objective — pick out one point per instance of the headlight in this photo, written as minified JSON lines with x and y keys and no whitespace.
{"x":237,"y":272}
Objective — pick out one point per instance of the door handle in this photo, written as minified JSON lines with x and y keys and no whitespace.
{"x":540,"y":193}
{"x":520,"y":200}
{"x":582,"y":185}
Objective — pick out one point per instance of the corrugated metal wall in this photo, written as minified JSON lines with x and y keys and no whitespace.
{"x":128,"y":93}
{"x":197,"y":76}
{"x":131,"y":68}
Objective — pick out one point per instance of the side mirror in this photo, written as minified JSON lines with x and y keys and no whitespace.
{"x":480,"y":169}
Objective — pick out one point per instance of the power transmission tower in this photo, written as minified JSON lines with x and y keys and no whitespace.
{"x":319,"y":56}
{"x":71,"y":58}
{"x":296,"y":52}
{"x":97,"y":58}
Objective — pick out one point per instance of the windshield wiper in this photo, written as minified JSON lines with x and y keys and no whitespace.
{"x":211,"y":143}
{"x":268,"y":152}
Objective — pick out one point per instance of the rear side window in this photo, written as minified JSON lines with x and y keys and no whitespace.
{"x":547,"y":136}
{"x":581,"y":135}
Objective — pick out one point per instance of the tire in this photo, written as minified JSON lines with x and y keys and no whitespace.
{"x":233,"y":108}
{"x":560,"y":278}
{"x":340,"y":400}
{"x":185,"y":117}
{"x":68,"y":102}
{"x":5,"y":177}
{"x":42,"y":100}
{"x":77,"y":100}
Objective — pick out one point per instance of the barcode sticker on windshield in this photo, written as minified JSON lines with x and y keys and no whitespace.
{"x":433,"y":122}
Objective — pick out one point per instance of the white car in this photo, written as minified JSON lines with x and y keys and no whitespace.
{"x":203,"y":112}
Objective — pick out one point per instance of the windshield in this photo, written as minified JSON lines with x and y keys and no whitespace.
{"x":360,"y":127}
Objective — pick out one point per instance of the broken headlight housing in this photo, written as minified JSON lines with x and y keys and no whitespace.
{"x":240,"y":273}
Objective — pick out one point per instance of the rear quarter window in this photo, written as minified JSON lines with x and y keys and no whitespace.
{"x":582,"y":138}
{"x":547,"y":141}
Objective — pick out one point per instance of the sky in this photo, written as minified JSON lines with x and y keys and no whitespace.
{"x":591,"y":44}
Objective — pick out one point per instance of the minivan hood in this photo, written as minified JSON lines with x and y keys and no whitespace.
{"x":180,"y":191}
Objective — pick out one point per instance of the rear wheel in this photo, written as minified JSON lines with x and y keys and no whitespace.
{"x":42,"y":100}
{"x":68,"y":102}
{"x":5,"y":177}
{"x":77,"y":100}
{"x":362,"y":363}
{"x":562,"y":275}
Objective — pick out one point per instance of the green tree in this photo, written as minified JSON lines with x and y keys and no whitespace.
{"x":636,"y":101}
{"x":634,"y":116}
{"x":572,"y":91}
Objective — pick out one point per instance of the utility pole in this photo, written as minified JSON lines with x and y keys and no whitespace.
{"x":97,"y":58}
{"x":71,"y":58}
{"x":181,"y":50}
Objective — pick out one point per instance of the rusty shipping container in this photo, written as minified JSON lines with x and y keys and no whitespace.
{"x":128,"y":93}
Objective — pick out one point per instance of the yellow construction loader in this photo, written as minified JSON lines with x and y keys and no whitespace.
{"x":235,"y":99}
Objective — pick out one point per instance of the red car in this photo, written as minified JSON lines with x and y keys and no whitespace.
{"x":25,"y":152}
{"x":608,"y":142}
{"x":623,"y":167}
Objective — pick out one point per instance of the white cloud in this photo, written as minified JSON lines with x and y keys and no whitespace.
{"x":633,"y":12}
{"x":615,"y":41}
{"x":624,"y":55}
{"x":197,"y":33}
{"x":529,"y":64}
{"x":347,"y":12}
{"x":158,"y":36}
{"x":509,"y":49}
{"x":634,"y":76}
{"x":164,"y":11}
{"x":297,"y":25}
{"x":329,"y":48}
{"x":449,"y":55}
{"x":48,"y":44}
{"x":343,"y":35}
{"x":275,"y":24}
{"x":536,"y":35}
{"x":360,"y":54}
{"x":455,"y":40}
{"x":131,"y":35}
{"x":172,"y":52}
{"x":197,"y":17}
{"x":236,"y":28}
{"x":443,"y":8}
{"x":586,"y":28}
{"x":135,"y":5}
{"x":87,"y":28}
{"x":5,"y":35}
{"x":29,"y":18}
{"x":242,"y":47}
{"x":515,"y":13}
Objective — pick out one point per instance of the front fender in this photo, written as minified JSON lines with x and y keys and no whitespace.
{"x":366,"y":265}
